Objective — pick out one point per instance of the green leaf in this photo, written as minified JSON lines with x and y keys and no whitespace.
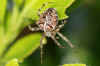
{"x":74,"y":65}
{"x":11,"y":25}
{"x":2,"y":14}
{"x":7,"y":37}
{"x":13,"y":62}
{"x":2,"y":10}
{"x":27,"y":2}
{"x":18,"y":2}
{"x":23,"y":47}
{"x":13,"y":21}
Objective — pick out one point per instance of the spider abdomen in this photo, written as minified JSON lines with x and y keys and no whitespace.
{"x":48,"y":20}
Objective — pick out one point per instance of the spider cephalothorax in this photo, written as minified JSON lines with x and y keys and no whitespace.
{"x":48,"y":21}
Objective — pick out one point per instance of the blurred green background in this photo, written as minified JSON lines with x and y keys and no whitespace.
{"x":82,"y":28}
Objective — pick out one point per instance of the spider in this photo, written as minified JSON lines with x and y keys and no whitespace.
{"x":48,"y":23}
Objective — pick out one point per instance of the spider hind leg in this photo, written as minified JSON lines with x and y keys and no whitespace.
{"x":41,"y":48}
{"x":66,"y":39}
{"x":57,"y":43}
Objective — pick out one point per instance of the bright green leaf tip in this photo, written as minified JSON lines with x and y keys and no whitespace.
{"x":2,"y":10}
{"x":13,"y":62}
{"x":74,"y":65}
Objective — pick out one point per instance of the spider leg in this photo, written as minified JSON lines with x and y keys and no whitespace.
{"x":33,"y":28}
{"x":58,"y":44}
{"x":63,"y":23}
{"x":40,"y":10}
{"x":63,"y":37}
{"x":41,"y":48}
{"x":43,"y":7}
{"x":66,"y":39}
{"x":60,"y":26}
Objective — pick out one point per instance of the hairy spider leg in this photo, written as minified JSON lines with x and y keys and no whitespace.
{"x":57,"y":43}
{"x":43,"y":5}
{"x":66,"y":39}
{"x":61,"y":25}
{"x":62,"y":36}
{"x":41,"y":47}
{"x":33,"y":28}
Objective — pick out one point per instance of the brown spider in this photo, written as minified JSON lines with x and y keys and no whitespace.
{"x":48,"y":23}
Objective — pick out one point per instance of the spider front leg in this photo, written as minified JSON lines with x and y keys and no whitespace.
{"x":43,"y":7}
{"x":40,"y":9}
{"x":33,"y":28}
{"x":63,"y":22}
